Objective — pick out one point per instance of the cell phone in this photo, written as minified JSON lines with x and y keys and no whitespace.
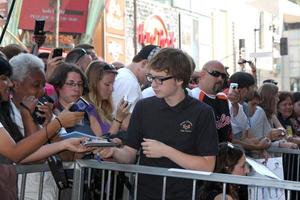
{"x":57,"y":52}
{"x":80,"y":106}
{"x":233,"y":86}
{"x":126,"y":101}
{"x":39,"y":27}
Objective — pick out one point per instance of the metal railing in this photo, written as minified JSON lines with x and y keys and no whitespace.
{"x":23,"y":170}
{"x":82,"y":165}
{"x":291,"y":169}
{"x":291,"y":165}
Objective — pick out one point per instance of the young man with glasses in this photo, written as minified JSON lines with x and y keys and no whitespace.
{"x":172,"y":129}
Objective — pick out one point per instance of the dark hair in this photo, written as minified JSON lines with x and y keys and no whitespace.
{"x":5,"y":67}
{"x":12,"y":50}
{"x":44,"y":55}
{"x":228,"y":156}
{"x":296,"y":96}
{"x":146,"y":53}
{"x":175,"y":62}
{"x":256,"y":95}
{"x":283,"y":95}
{"x":74,"y":55}
{"x":5,"y":108}
{"x":59,"y":76}
{"x":244,"y":79}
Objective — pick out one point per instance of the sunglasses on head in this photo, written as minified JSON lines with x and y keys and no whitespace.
{"x":216,"y":74}
{"x":81,"y":53}
{"x":110,"y":68}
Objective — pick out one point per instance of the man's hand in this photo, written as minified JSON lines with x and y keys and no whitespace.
{"x":105,"y":152}
{"x":39,"y":39}
{"x":52,"y":65}
{"x":153,"y":148}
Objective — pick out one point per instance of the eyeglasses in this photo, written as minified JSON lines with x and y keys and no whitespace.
{"x":74,"y":84}
{"x":157,"y":79}
{"x":217,"y":74}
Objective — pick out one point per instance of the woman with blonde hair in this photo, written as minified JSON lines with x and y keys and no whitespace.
{"x":101,"y":77}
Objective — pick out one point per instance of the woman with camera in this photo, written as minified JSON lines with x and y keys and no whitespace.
{"x":19,"y":118}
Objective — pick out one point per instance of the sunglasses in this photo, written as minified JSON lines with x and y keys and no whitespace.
{"x":217,"y":74}
{"x":81,"y":53}
{"x":109,"y":67}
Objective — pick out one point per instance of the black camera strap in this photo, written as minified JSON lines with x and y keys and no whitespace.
{"x":58,"y":172}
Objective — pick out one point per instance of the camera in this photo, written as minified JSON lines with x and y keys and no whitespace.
{"x":243,"y":61}
{"x":38,"y":115}
{"x":80,"y":106}
{"x":234,"y":86}
{"x":57,"y":52}
{"x":39,"y":27}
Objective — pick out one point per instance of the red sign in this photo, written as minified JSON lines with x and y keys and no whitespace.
{"x":154,"y":31}
{"x":73,"y":15}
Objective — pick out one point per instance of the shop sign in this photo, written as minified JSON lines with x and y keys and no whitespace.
{"x":154,"y":31}
{"x":73,"y":15}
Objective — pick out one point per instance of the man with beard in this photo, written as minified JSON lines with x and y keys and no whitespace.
{"x":211,"y":81}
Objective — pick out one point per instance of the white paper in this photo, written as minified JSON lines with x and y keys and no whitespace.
{"x":189,"y":171}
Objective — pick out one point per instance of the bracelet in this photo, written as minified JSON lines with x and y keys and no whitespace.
{"x":59,"y":122}
{"x":119,"y":121}
{"x":26,"y":108}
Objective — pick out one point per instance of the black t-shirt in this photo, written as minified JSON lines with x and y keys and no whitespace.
{"x":188,"y":127}
{"x":222,"y":114}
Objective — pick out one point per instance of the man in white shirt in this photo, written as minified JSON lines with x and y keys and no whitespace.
{"x":128,"y":82}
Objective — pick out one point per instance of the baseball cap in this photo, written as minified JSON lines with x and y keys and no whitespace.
{"x":147,"y":52}
{"x":243,"y":79}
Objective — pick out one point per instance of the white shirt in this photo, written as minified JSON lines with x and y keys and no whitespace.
{"x":50,"y":191}
{"x":260,"y":125}
{"x":126,"y":85}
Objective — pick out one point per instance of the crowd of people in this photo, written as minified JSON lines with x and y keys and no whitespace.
{"x":157,"y":109}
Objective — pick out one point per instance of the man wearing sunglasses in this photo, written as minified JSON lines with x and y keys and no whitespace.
{"x":211,"y":83}
{"x":172,"y":129}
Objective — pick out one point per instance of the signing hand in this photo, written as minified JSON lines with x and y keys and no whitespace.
{"x":75,"y":145}
{"x":153,"y":148}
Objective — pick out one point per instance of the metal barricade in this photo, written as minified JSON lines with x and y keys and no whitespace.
{"x":291,"y":165}
{"x":82,"y":165}
{"x":23,"y":170}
